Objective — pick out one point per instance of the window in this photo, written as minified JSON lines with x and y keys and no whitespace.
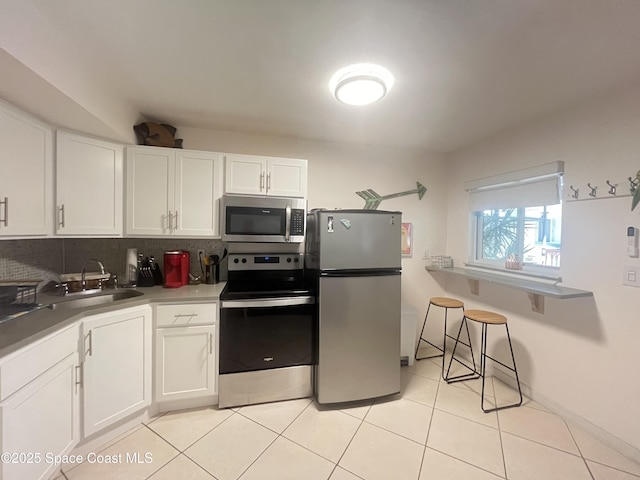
{"x":517,"y":220}
{"x":532,"y":234}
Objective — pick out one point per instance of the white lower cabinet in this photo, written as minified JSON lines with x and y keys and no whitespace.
{"x":185,"y":357}
{"x":116,"y":363}
{"x":70,"y":387}
{"x":39,"y":417}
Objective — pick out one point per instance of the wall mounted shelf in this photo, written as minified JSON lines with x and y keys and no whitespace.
{"x":535,"y":290}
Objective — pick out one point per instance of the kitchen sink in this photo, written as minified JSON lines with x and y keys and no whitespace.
{"x":93,"y":300}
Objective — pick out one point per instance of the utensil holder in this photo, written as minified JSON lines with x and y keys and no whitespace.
{"x":211,"y":274}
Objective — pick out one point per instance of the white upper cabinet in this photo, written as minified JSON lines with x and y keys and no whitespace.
{"x":256,"y":175}
{"x":198,"y":188}
{"x":89,"y":177}
{"x":26,"y":159}
{"x":172,"y":192}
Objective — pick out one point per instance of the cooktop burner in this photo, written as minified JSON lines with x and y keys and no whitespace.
{"x":232,"y":292}
{"x":265,"y":276}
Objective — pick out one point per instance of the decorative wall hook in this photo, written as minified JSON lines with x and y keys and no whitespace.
{"x":612,"y":188}
{"x":592,"y":193}
{"x":633,"y":184}
{"x":576,"y":192}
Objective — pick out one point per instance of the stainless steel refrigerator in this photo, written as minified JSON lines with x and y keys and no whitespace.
{"x":354,"y":257}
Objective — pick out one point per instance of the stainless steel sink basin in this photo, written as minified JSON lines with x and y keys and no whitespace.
{"x":93,"y":300}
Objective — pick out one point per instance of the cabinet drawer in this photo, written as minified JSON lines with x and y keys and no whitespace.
{"x":24,"y":365}
{"x":186,"y":314}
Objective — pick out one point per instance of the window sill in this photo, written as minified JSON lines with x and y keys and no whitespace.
{"x":536,"y":290}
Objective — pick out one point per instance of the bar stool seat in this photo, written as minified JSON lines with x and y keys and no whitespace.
{"x":486,"y":318}
{"x":447,"y":303}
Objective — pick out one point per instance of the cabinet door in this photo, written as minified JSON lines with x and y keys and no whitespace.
{"x":26,"y":179}
{"x":149,"y":194}
{"x":88,"y":186}
{"x":198,"y":181}
{"x":287,"y":177}
{"x":117,"y":366}
{"x":185,"y":362}
{"x":245,"y":174}
{"x":41,"y":419}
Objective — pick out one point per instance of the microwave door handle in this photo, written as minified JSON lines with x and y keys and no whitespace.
{"x":287,"y":227}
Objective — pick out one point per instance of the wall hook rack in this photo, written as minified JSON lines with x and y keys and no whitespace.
{"x":574,"y":195}
{"x":576,"y":192}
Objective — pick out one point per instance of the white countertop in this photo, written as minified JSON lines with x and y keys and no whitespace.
{"x":25,"y":329}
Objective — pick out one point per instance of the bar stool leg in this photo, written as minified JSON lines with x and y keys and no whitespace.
{"x":473,"y":370}
{"x":422,"y":339}
{"x":483,"y":361}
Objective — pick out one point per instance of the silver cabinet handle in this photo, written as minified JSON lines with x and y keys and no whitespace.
{"x":261,"y":181}
{"x":268,"y":182}
{"x":176,"y":219}
{"x":211,"y":344}
{"x":5,"y":220}
{"x":62,"y":215}
{"x":170,"y":221}
{"x":188,"y":315}
{"x":90,"y":350}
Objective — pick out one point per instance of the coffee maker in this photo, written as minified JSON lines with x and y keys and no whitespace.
{"x":176,"y":268}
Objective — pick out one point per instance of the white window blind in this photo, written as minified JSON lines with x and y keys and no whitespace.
{"x":535,"y":186}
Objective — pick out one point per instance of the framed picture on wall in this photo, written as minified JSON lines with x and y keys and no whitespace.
{"x":407,"y":239}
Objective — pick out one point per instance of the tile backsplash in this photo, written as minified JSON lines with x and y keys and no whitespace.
{"x":44,"y":259}
{"x":31,"y":259}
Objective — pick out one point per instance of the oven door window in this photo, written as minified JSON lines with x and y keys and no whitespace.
{"x":255,"y":221}
{"x":263,"y":338}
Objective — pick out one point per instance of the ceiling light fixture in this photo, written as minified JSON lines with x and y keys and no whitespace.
{"x":361,"y":84}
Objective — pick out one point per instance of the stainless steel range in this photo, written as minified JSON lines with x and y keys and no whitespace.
{"x":267,"y":330}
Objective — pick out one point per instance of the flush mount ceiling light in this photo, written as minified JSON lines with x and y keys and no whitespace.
{"x":361,"y":84}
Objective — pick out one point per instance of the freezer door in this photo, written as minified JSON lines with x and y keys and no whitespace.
{"x":359,"y":338}
{"x":355,"y":239}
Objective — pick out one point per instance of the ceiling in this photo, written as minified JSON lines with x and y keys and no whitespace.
{"x":464,"y":69}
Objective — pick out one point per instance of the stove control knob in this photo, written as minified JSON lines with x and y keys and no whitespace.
{"x":244,"y":260}
{"x":235,"y":260}
{"x":296,"y":259}
{"x":288,"y":259}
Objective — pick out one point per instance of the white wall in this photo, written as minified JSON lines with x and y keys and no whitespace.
{"x":44,"y":74}
{"x":581,"y":355}
{"x":337,"y":171}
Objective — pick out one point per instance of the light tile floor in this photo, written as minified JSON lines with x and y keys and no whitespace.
{"x":431,"y":430}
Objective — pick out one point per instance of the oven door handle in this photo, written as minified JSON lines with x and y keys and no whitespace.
{"x":268,"y":302}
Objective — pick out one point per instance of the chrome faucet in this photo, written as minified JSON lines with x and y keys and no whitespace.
{"x":83,"y":273}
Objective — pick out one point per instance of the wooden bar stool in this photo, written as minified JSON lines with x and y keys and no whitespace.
{"x":486,"y":318}
{"x":447,"y":303}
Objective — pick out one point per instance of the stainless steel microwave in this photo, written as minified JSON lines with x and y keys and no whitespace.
{"x":263,"y":219}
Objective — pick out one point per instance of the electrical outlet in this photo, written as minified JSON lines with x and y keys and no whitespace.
{"x":426,"y":255}
{"x":200,"y":254}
